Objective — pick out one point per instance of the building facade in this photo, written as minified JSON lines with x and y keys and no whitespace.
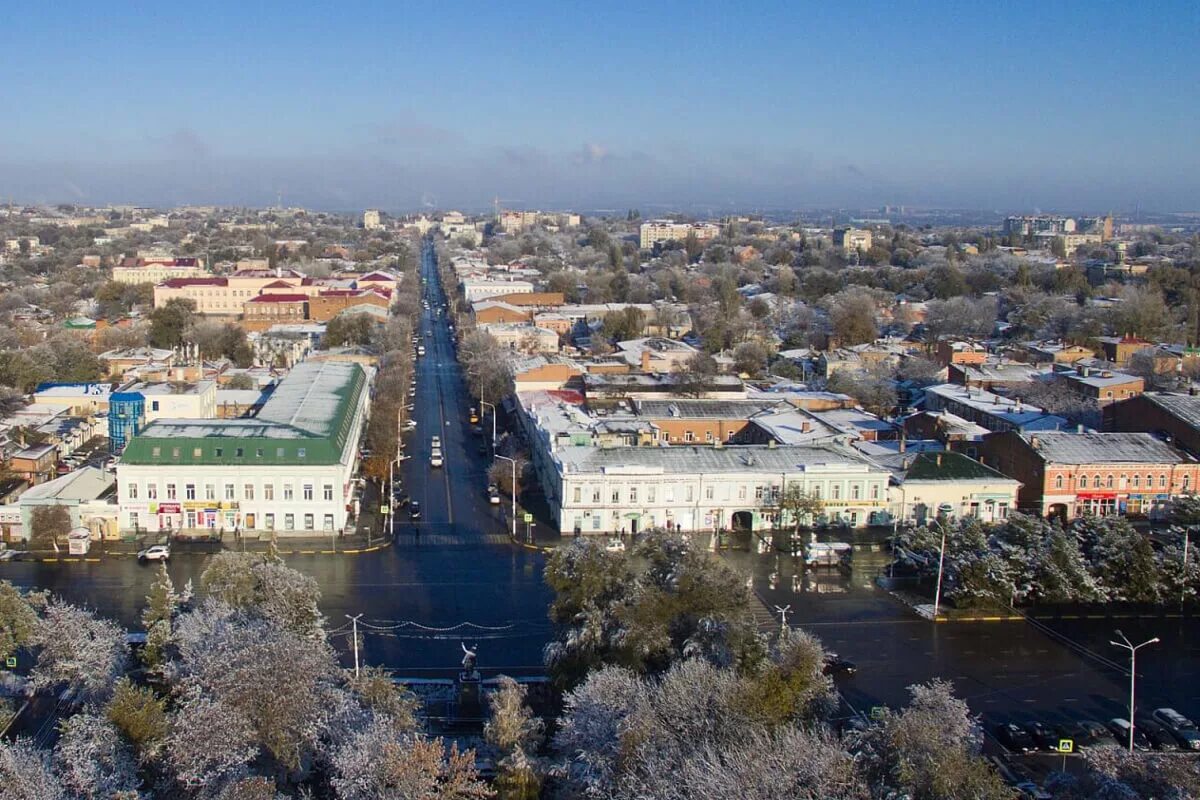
{"x":1067,"y":475}
{"x":627,"y":489}
{"x":287,"y":471}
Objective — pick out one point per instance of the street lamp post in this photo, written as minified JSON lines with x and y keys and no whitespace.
{"x":513,"y":493}
{"x":1132,"y":648}
{"x":354,"y":621}
{"x":937,"y":595}
{"x":1187,"y":530}
{"x":483,"y":403}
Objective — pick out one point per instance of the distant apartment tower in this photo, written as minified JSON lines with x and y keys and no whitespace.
{"x":850,"y":240}
{"x":371,"y":220}
{"x":665,"y":230}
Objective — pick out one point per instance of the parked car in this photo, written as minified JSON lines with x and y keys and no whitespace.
{"x":414,"y":509}
{"x":1042,"y":735}
{"x":158,"y":552}
{"x":615,"y":545}
{"x":1158,"y":736}
{"x":1015,"y":738}
{"x":8,"y":555}
{"x":1179,"y":726}
{"x":493,"y":495}
{"x":1098,"y":734}
{"x":1119,"y":728}
{"x":836,"y":666}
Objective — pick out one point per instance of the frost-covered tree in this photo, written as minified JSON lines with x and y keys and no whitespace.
{"x":791,"y":686}
{"x":590,"y":738}
{"x":78,"y":650}
{"x":1121,"y":559}
{"x":514,"y":733}
{"x":377,"y":693}
{"x":26,"y":773}
{"x":18,"y":619}
{"x":928,"y":750}
{"x":210,"y":744}
{"x":162,"y":606}
{"x":141,"y":717}
{"x":93,"y":759}
{"x":278,"y":680}
{"x":380,"y":763}
{"x":268,"y":587}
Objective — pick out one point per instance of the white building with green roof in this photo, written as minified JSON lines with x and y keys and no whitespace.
{"x":288,"y":470}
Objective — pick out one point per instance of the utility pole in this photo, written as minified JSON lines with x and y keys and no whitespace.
{"x":783,"y":611}
{"x":513,"y":493}
{"x":1187,"y":530}
{"x":937,"y":597}
{"x":483,"y":403}
{"x":1132,"y":648}
{"x":354,"y":622}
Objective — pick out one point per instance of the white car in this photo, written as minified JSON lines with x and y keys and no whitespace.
{"x":409,"y":424}
{"x":435,"y":458}
{"x":615,"y":546}
{"x":493,"y":495}
{"x":435,"y":442}
{"x":159,"y":552}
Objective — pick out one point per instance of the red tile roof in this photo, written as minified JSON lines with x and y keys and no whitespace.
{"x":280,"y":298}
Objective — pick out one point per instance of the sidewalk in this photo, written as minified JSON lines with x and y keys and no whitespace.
{"x":352,"y":544}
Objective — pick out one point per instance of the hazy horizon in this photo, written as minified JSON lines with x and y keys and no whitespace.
{"x":679,"y":105}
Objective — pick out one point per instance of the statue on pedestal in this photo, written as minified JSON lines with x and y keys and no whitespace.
{"x":468,"y":662}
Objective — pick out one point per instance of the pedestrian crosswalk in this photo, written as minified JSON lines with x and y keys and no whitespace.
{"x":445,"y":535}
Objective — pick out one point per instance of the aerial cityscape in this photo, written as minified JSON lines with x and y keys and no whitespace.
{"x":528,"y":402}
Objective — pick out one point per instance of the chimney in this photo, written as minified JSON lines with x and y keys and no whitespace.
{"x":771,"y":444}
{"x":1079,"y":428}
{"x":1192,"y":391}
{"x":903,"y":441}
{"x":939,"y":459}
{"x":645,"y":361}
{"x":1035,"y":442}
{"x":805,"y":427}
{"x":904,"y":463}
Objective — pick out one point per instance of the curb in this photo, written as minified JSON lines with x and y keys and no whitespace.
{"x":97,"y":559}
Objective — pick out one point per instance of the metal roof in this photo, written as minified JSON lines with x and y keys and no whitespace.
{"x":1185,"y":407}
{"x":1103,"y":448}
{"x":307,"y":420}
{"x":685,"y":460}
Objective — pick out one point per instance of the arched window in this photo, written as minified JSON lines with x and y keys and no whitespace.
{"x":1187,"y":482}
{"x":1162,"y":481}
{"x":855,"y":492}
{"x":1109,"y":482}
{"x":1083,"y":481}
{"x":1137,"y":481}
{"x":1058,"y":482}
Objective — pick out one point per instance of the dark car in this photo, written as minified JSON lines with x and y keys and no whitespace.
{"x":1179,"y":726}
{"x":1015,"y":738}
{"x":1075,"y":732}
{"x":1043,"y":736}
{"x":1158,"y":736}
{"x":1120,"y":728}
{"x":414,"y":509}
{"x":1098,"y":734}
{"x":836,"y":666}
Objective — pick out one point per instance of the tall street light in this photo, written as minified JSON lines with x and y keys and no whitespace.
{"x":513,"y":493}
{"x":1132,"y":648}
{"x":483,"y":403}
{"x":937,"y":596}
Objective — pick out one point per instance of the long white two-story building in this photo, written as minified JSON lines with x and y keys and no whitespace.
{"x":288,"y":470}
{"x":627,"y":489}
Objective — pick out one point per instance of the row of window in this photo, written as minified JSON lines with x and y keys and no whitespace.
{"x":219,"y":452}
{"x":761,"y":493}
{"x":1109,"y":482}
{"x":193,"y":520}
{"x":230,"y":493}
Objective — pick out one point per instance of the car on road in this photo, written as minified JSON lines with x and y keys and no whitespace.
{"x":1042,"y":735}
{"x":1120,"y":728}
{"x":1158,"y":736}
{"x":838,"y":667}
{"x":158,"y":552}
{"x":435,"y":442}
{"x":435,"y":458}
{"x":493,"y":495}
{"x":414,"y":510}
{"x":1179,"y":726}
{"x":8,"y":555}
{"x":615,"y":545}
{"x":421,"y":350}
{"x":409,"y":424}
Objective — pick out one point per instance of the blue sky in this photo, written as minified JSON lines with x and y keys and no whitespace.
{"x":984,"y":105}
